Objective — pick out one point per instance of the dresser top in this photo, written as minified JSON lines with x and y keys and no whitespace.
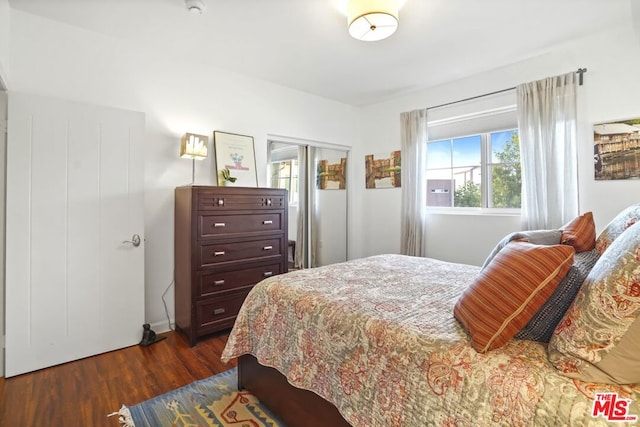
{"x":229,"y":188}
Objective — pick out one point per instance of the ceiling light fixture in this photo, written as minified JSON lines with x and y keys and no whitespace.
{"x":196,"y":7}
{"x":372,"y":20}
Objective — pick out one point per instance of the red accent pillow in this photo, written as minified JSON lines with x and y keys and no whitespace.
{"x":510,"y":290}
{"x":580,"y":233}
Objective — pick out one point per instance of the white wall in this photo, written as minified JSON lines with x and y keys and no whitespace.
{"x":611,"y":91}
{"x":54,"y":59}
{"x":4,"y":41}
{"x":635,"y":11}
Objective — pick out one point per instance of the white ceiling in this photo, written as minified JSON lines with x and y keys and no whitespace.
{"x":304,"y":44}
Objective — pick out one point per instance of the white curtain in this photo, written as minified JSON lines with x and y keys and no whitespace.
{"x":547,"y":131}
{"x":314,"y":225}
{"x":414,"y":147}
{"x":301,"y":235}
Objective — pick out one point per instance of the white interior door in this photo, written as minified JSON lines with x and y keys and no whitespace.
{"x":74,"y":288}
{"x":3,"y":151}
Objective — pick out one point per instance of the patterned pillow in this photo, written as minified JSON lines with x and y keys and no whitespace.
{"x":580,"y":233}
{"x":509,"y":291}
{"x":541,"y":326}
{"x":598,"y":340}
{"x":621,"y":222}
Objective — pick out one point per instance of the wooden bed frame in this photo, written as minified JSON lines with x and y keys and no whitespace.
{"x":294,"y":406}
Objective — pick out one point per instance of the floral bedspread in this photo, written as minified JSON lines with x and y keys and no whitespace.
{"x":377,"y":338}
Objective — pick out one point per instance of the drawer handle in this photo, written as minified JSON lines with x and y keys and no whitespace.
{"x":218,"y":253}
{"x":269,"y":202}
{"x":219,"y":224}
{"x":267,"y":273}
{"x":220,"y":202}
{"x":218,"y":282}
{"x":267,"y":248}
{"x":267,"y":222}
{"x":218,"y":311}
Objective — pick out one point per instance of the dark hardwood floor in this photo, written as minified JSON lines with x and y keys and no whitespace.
{"x":83,"y":392}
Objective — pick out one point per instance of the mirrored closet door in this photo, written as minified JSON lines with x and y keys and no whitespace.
{"x":316,"y":178}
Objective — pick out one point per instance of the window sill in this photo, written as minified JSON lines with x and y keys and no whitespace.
{"x":473,"y":211}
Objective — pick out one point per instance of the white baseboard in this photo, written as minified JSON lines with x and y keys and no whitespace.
{"x":162,"y":326}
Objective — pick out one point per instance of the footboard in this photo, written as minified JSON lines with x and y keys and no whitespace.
{"x":294,"y":406}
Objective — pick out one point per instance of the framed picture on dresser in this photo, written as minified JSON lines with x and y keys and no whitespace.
{"x":236,"y":154}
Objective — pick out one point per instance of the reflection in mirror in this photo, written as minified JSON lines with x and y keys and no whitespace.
{"x":329,"y":219}
{"x":316,"y":180}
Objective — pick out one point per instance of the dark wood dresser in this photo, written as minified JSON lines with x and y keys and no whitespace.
{"x":227,"y":239}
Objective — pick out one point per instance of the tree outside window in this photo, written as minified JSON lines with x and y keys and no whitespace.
{"x":506,"y":178}
{"x":480,"y":171}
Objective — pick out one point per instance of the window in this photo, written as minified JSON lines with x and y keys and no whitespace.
{"x":284,"y":174}
{"x":504,"y":169}
{"x":480,"y":171}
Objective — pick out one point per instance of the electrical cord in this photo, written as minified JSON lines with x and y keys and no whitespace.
{"x":166,"y":310}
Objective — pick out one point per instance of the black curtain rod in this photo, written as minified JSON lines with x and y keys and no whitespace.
{"x":580,"y":72}
{"x":471,"y":99}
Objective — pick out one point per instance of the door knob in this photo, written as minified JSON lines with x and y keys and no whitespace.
{"x":135,"y":240}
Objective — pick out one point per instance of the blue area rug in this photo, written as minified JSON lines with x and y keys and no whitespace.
{"x":214,"y":401}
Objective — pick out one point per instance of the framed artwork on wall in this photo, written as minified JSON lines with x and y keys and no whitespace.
{"x":382,"y":170}
{"x":235,"y":157}
{"x":616,"y":149}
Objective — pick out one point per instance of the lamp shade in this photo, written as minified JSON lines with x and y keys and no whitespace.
{"x":371,"y":20}
{"x":194,"y":146}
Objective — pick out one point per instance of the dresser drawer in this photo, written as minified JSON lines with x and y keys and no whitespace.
{"x":216,"y":253}
{"x":211,"y":200}
{"x":223,"y":225}
{"x":226,"y":239}
{"x":217,"y":313}
{"x":211,"y":283}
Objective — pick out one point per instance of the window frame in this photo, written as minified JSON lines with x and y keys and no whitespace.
{"x":289,"y":179}
{"x":485,"y":189}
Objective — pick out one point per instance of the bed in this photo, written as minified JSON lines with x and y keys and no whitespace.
{"x":374,"y":342}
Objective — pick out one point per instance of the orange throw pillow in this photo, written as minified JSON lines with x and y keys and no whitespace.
{"x":510,"y":290}
{"x":580,"y":233}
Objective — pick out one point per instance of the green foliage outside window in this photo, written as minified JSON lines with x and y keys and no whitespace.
{"x":506,"y":177}
{"x":468,"y":196}
{"x":506,"y":180}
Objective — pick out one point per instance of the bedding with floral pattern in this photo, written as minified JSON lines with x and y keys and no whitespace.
{"x":621,"y":222}
{"x":599,"y":337}
{"x":377,"y":338}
